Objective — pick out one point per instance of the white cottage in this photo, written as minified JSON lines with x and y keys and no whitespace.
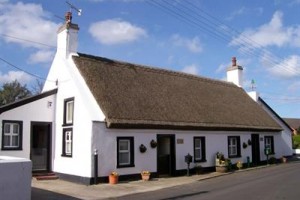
{"x":121,"y":109}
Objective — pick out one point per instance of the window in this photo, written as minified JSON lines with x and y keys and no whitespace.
{"x":269,"y":143}
{"x":125,"y":152}
{"x":199,"y":149}
{"x":234,"y":146}
{"x":12,"y":135}
{"x":67,"y":142}
{"x":69,"y":111}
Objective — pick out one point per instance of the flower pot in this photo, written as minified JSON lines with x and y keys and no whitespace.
{"x":145,"y":177}
{"x":113,"y":179}
{"x":221,"y":169}
{"x":283,"y":160}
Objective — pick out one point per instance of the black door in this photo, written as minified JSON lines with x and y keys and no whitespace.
{"x":40,"y":146}
{"x":255,"y":149}
{"x":166,"y":155}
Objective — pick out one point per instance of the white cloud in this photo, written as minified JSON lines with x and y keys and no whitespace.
{"x":22,"y":77}
{"x":116,"y":31}
{"x":28,"y":22}
{"x":193,"y":45}
{"x":191,"y":69}
{"x":42,"y":56}
{"x":236,"y":13}
{"x":288,"y":68}
{"x":273,"y":33}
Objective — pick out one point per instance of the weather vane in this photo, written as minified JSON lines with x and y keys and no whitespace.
{"x":79,"y":11}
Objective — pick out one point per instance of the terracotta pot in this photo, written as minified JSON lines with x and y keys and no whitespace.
{"x":145,"y":177}
{"x":221,"y":169}
{"x":113,"y":179}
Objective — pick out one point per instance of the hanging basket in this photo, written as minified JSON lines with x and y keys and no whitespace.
{"x":143,"y":149}
{"x":153,"y":144}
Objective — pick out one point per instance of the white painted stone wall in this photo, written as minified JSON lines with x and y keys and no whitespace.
{"x":104,"y":140}
{"x":37,"y":111}
{"x":15,"y":178}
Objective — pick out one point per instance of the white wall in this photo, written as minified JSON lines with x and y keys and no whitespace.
{"x":283,"y":142}
{"x":70,"y":84}
{"x":37,"y":111}
{"x":15,"y":181}
{"x":104,"y":140}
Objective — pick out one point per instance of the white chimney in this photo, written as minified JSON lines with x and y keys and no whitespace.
{"x":235,"y":73}
{"x":67,"y":37}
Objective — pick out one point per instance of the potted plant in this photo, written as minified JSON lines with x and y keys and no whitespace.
{"x":221,"y":163}
{"x":113,"y":177}
{"x":145,"y":175}
{"x":283,"y":159}
{"x":198,"y":169}
{"x":239,"y":165}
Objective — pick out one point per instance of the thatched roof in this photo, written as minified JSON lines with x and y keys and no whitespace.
{"x":135,"y":96}
{"x":293,"y":122}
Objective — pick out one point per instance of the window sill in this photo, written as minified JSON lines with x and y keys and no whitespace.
{"x":200,"y":161}
{"x":66,"y":125}
{"x":124,"y":166}
{"x":11,"y":149}
{"x":64,"y":155}
{"x":238,"y":156}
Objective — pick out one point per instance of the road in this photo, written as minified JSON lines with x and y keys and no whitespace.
{"x":275,"y":182}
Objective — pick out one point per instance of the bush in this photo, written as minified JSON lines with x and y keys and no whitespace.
{"x":296,"y":141}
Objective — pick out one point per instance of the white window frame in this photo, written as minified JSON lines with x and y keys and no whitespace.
{"x":198,"y":148}
{"x":69,"y":111}
{"x":232,"y":148}
{"x":67,"y":149}
{"x":124,"y":151}
{"x":14,"y":131}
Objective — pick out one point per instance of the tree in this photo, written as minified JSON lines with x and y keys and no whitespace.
{"x":37,"y":87}
{"x":12,"y":92}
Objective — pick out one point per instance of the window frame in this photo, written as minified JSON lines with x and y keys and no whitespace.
{"x":131,"y":152}
{"x":238,"y":146}
{"x":66,"y":121}
{"x":267,"y":137}
{"x":202,"y":149}
{"x":64,"y":145}
{"x":20,"y":136}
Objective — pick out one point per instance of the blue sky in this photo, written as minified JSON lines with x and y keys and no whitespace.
{"x":192,"y":36}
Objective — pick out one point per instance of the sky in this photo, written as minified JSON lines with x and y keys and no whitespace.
{"x":193,"y":36}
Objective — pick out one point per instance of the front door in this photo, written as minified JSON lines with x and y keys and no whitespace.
{"x":166,"y":155}
{"x":40,"y":146}
{"x":255,"y":149}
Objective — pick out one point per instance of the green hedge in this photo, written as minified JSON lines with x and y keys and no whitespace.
{"x":296,"y":141}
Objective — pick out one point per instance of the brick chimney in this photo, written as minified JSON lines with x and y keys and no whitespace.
{"x":67,"y":36}
{"x":235,"y":73}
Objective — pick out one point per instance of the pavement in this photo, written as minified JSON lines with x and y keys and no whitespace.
{"x":60,"y":189}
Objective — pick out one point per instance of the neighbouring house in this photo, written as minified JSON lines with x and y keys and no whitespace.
{"x":294,"y":124}
{"x":135,"y":117}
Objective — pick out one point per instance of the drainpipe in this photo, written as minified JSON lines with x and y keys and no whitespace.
{"x":95,"y":166}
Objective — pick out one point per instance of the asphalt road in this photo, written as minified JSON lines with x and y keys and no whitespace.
{"x":279,"y":182}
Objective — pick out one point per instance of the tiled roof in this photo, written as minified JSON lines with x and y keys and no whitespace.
{"x":135,"y":96}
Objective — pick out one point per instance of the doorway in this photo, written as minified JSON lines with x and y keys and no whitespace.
{"x":255,"y":149}
{"x":166,"y":164}
{"x":40,"y":151}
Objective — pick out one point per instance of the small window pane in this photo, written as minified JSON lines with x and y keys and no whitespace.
{"x":6,"y":140}
{"x":15,"y":141}
{"x":70,"y":108}
{"x":6,"y":128}
{"x":124,"y":158}
{"x":16,"y":128}
{"x":123,"y":145}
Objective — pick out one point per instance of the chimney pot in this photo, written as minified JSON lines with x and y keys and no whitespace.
{"x":233,"y":61}
{"x":68,"y":17}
